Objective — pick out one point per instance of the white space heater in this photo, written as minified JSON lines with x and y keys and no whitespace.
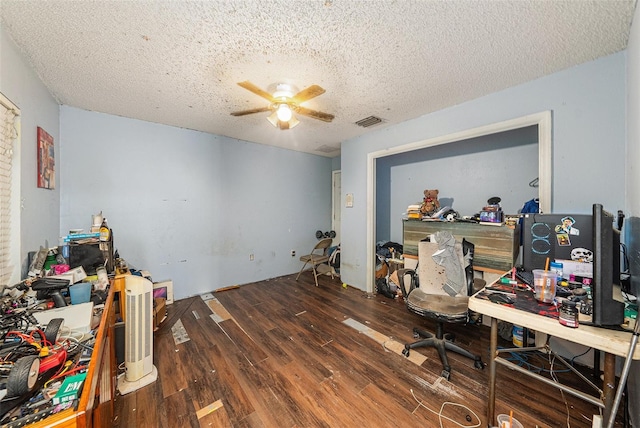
{"x":138,"y":335}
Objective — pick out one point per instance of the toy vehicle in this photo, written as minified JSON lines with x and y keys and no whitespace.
{"x":27,"y":360}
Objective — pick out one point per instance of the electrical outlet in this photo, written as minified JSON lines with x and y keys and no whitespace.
{"x":251,"y":257}
{"x":293,"y":253}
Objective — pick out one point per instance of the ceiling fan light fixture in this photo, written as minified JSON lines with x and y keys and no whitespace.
{"x":283,"y":92}
{"x":273,"y":118}
{"x":293,"y":122}
{"x":282,"y":104}
{"x":284,"y":113}
{"x":281,"y":124}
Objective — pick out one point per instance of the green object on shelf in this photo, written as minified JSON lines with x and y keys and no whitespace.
{"x":50,"y":260}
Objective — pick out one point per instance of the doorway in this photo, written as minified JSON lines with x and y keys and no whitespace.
{"x":336,"y":204}
{"x":541,"y":120}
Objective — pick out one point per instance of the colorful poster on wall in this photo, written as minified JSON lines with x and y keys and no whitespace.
{"x":46,"y":161}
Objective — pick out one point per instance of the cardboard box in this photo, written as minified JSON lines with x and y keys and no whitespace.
{"x":159,"y":312}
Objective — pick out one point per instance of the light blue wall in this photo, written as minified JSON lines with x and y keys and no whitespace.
{"x":40,"y":213}
{"x":466,"y":173}
{"x":190,"y":206}
{"x":588,"y":105}
{"x":335,"y":163}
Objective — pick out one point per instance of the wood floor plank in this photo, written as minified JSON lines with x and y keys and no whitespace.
{"x":251,"y":421}
{"x":295,"y":347}
{"x":180,"y":410}
{"x":168,"y":364}
{"x":147,"y":412}
{"x":250,"y":349}
{"x":125,"y":414}
{"x":222,"y":384}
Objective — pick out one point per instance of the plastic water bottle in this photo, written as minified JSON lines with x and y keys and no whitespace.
{"x":557,"y":268}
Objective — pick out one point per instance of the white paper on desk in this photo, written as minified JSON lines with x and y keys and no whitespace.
{"x":576,"y":268}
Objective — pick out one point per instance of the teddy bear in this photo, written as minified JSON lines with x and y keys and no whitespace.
{"x":430,"y":203}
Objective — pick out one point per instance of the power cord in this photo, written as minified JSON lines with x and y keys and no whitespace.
{"x":441,"y":416}
{"x":522,"y":360}
{"x":552,"y":360}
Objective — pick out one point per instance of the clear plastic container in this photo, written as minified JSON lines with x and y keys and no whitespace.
{"x":80,"y":293}
{"x":503,"y":422}
{"x":544,"y":284}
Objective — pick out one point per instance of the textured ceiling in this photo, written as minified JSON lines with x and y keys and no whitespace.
{"x":178,"y":62}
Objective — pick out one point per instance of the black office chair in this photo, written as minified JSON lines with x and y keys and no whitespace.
{"x":440,"y":294}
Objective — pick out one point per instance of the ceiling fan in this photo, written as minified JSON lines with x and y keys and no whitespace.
{"x":283,"y":104}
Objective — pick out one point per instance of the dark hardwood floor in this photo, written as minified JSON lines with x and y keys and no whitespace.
{"x":278,"y":353}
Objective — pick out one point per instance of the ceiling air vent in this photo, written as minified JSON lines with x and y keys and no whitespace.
{"x":369,"y":121}
{"x":327,"y":149}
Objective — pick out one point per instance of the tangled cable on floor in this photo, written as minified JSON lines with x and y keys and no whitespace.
{"x":441,"y":416}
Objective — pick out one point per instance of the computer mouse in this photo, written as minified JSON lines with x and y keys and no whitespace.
{"x":501,"y":298}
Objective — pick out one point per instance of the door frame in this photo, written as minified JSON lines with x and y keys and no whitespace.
{"x":333,"y":202}
{"x":543,"y":120}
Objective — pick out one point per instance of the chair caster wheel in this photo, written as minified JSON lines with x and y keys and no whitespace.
{"x":405,"y":351}
{"x":416,"y":335}
{"x":445,"y":374}
{"x":478,"y":364}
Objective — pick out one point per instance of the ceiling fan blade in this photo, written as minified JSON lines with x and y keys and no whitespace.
{"x":326,"y":117}
{"x":253,"y":110}
{"x":253,"y":88}
{"x":308,"y":93}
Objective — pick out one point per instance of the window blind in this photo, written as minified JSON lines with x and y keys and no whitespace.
{"x":8,"y":137}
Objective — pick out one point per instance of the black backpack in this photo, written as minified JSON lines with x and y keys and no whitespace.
{"x":382,"y":287}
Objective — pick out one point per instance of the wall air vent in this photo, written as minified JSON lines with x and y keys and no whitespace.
{"x":369,"y":121}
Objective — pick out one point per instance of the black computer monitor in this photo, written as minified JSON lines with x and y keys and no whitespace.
{"x":607,"y":311}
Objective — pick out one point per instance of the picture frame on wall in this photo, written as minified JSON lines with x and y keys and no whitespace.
{"x":46,"y":161}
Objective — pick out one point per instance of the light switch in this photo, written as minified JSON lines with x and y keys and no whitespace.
{"x":349,"y":200}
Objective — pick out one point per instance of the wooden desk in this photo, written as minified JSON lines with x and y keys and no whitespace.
{"x":612,"y":342}
{"x":496,"y":247}
{"x":95,"y":407}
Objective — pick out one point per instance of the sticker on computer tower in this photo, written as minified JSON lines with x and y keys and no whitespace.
{"x":563,"y":239}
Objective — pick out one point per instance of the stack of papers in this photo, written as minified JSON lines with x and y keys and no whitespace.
{"x":413,"y":211}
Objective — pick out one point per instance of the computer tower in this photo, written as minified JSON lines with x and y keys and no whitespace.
{"x":555,"y":236}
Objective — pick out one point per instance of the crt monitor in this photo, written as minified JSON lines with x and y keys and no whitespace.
{"x":607,"y":311}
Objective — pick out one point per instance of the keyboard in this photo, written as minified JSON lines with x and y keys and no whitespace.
{"x":525,"y":276}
